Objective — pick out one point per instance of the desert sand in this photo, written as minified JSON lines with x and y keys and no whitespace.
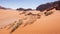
{"x":32,"y":24}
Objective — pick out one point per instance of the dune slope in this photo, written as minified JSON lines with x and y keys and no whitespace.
{"x":45,"y":25}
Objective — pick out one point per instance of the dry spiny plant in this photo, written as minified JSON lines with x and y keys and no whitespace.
{"x":48,"y":13}
{"x":31,"y":18}
{"x":23,"y":12}
{"x":15,"y":25}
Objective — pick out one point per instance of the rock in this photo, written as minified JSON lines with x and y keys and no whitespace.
{"x":49,"y":6}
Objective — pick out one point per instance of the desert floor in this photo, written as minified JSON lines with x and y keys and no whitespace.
{"x":44,"y":25}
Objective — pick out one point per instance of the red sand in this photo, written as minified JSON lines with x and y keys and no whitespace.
{"x":45,"y":25}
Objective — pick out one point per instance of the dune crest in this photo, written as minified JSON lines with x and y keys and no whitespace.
{"x":30,"y":22}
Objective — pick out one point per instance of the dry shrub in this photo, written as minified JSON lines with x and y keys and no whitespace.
{"x":48,"y":13}
{"x":31,"y":18}
{"x":15,"y":25}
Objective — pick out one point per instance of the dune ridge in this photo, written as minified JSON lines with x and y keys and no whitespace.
{"x":33,"y":22}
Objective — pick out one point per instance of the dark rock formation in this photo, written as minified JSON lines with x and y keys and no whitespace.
{"x":5,"y":8}
{"x":58,"y":5}
{"x":28,"y":9}
{"x":21,"y":9}
{"x":49,"y":6}
{"x":2,"y":7}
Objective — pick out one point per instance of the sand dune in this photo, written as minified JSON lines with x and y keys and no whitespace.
{"x":7,"y":16}
{"x":44,"y":25}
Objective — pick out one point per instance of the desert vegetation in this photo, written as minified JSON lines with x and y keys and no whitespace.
{"x":29,"y":17}
{"x":48,"y":13}
{"x":15,"y":25}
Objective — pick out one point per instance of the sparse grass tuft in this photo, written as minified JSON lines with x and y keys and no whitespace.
{"x":48,"y":13}
{"x":16,"y":25}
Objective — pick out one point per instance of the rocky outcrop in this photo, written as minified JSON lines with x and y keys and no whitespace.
{"x":5,"y":8}
{"x":2,"y":7}
{"x":22,"y":9}
{"x":28,"y":9}
{"x":49,"y":6}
